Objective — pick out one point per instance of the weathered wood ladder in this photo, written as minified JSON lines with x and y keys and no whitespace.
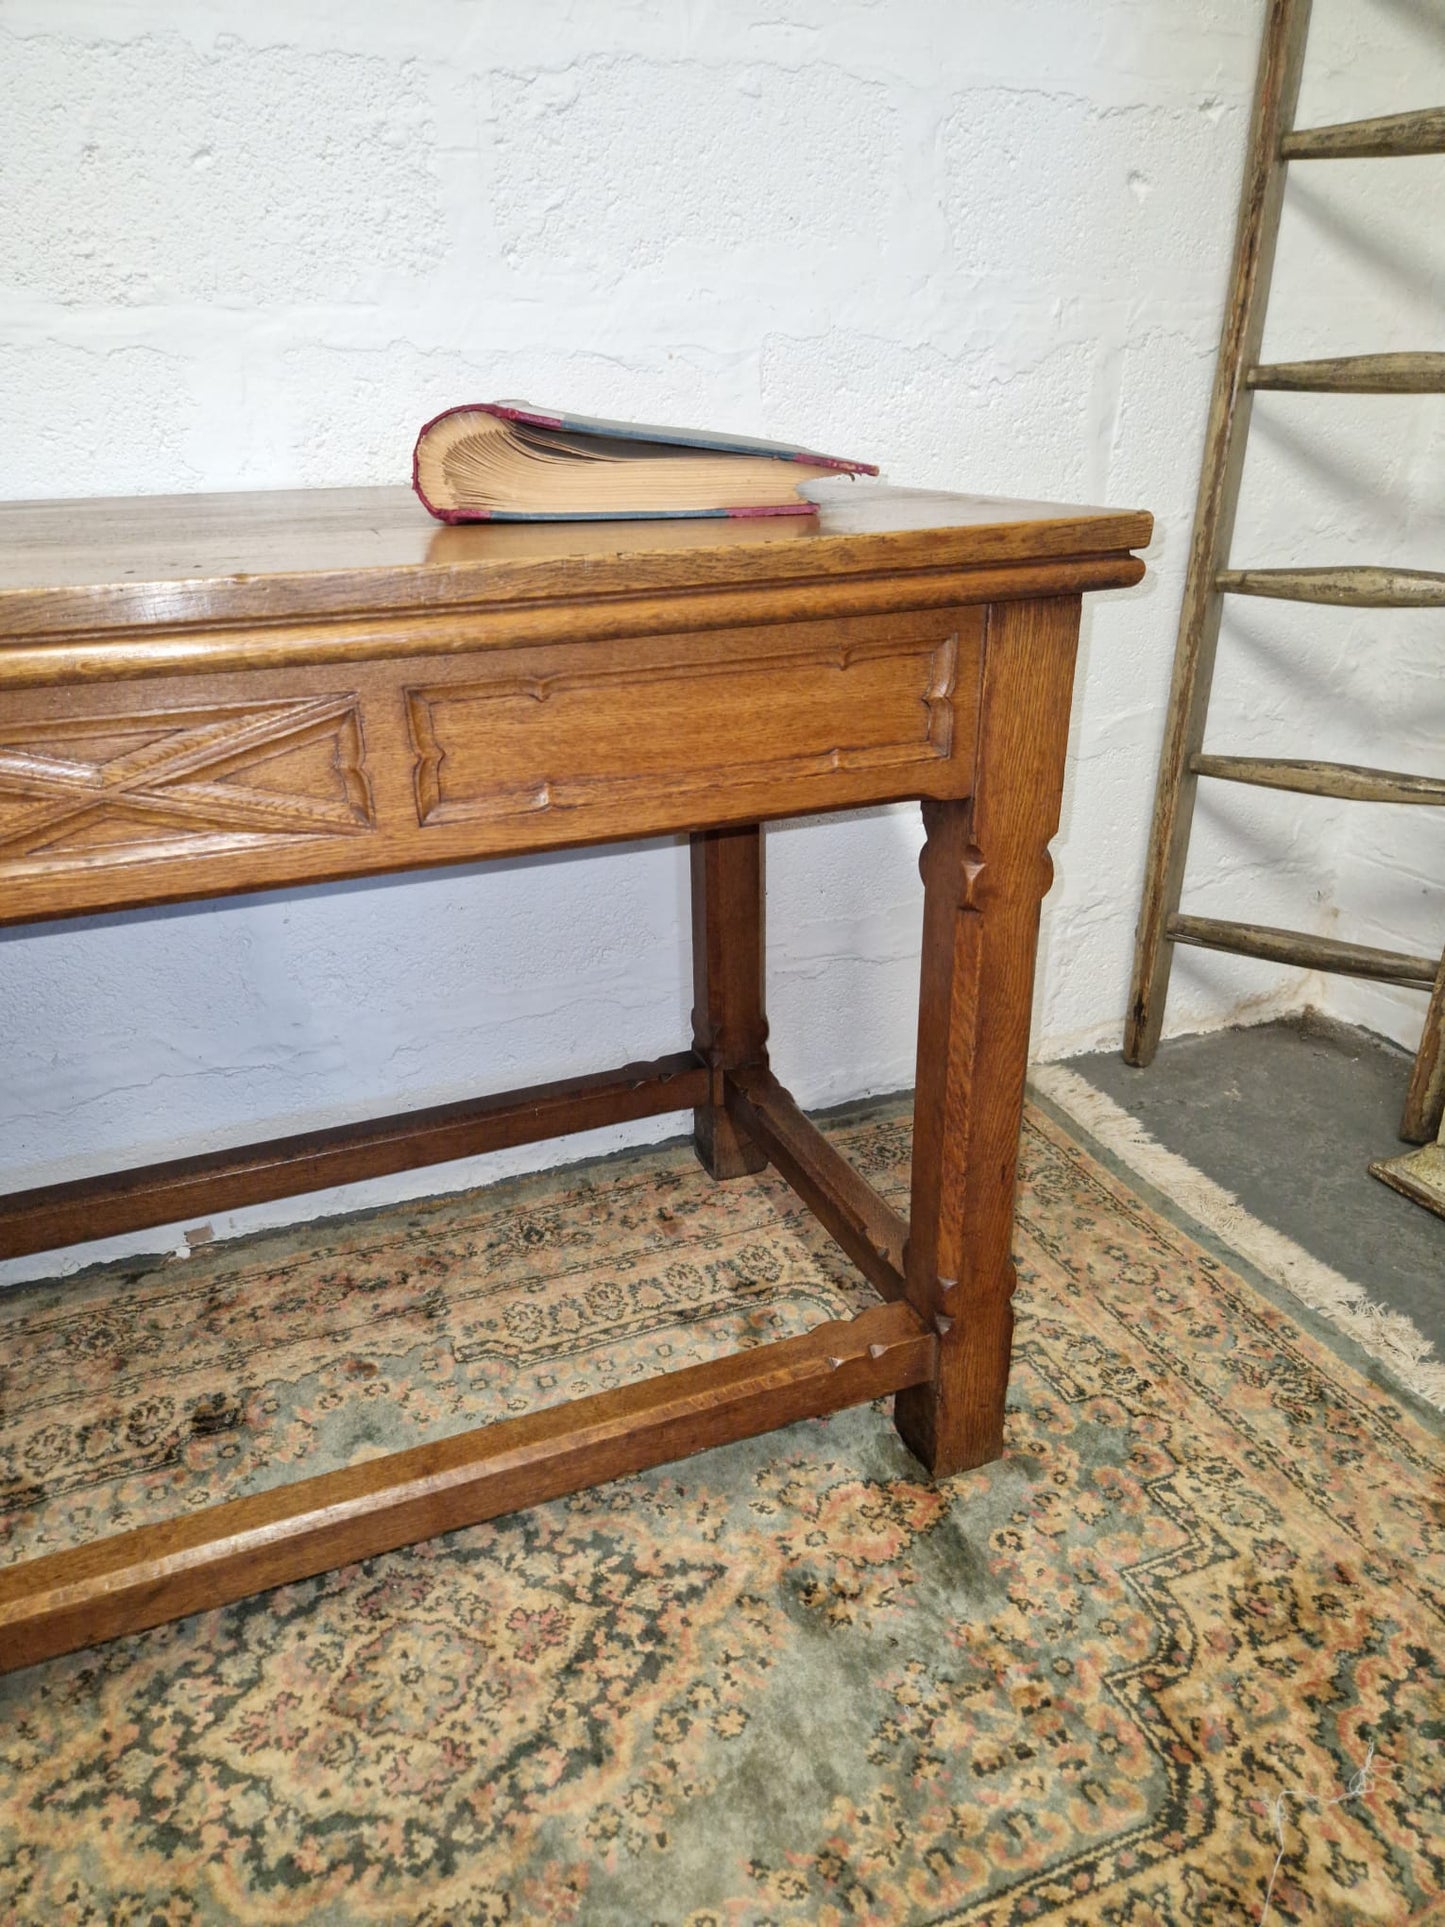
{"x":1273,"y":143}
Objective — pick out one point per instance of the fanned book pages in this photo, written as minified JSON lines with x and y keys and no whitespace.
{"x":507,"y":462}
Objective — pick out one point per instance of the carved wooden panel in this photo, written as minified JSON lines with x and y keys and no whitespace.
{"x":161,"y":788}
{"x":515,"y":745}
{"x":89,"y":792}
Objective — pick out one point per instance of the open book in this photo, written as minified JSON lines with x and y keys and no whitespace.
{"x":506,"y":462}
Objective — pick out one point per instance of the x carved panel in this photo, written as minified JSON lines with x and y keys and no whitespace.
{"x":169,"y":769}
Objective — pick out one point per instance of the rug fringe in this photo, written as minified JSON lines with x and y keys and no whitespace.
{"x":1389,"y":1336}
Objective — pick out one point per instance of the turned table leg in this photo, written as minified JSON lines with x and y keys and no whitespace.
{"x":985,"y":870}
{"x":729,"y":1023}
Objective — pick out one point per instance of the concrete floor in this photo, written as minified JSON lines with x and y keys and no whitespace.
{"x":1287,"y":1116}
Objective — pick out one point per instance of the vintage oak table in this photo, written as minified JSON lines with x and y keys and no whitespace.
{"x":212,"y":694}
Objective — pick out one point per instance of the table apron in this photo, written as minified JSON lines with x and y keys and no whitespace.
{"x":178,"y":787}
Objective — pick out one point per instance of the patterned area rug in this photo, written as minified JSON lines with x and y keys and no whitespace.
{"x":1178,"y":1658}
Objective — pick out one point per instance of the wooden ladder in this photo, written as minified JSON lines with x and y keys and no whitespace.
{"x":1273,"y":143}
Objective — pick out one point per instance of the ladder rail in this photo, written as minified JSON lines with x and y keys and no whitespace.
{"x":1425,"y":1099}
{"x":1281,"y":65}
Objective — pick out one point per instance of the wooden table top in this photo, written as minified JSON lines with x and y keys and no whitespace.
{"x":92,"y":566}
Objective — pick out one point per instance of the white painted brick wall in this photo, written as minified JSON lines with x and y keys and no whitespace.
{"x":980,"y":241}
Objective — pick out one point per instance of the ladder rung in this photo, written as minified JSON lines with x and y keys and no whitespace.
{"x":1273,"y":143}
{"x":1350,"y":781}
{"x":1350,"y":588}
{"x":1422,"y":132}
{"x":1405,"y":374}
{"x":1306,"y":953}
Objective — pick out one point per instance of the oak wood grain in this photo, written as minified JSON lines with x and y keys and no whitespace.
{"x":729,"y":989}
{"x":985,"y":869}
{"x":871,"y":1232}
{"x":118,"y":795}
{"x":168,"y":563}
{"x":154,"y":1194}
{"x":158,"y":1572}
{"x":79,"y":656}
{"x":228,"y":694}
{"x":514,"y":740}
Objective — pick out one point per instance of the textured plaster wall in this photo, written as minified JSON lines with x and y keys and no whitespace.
{"x":980,"y":241}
